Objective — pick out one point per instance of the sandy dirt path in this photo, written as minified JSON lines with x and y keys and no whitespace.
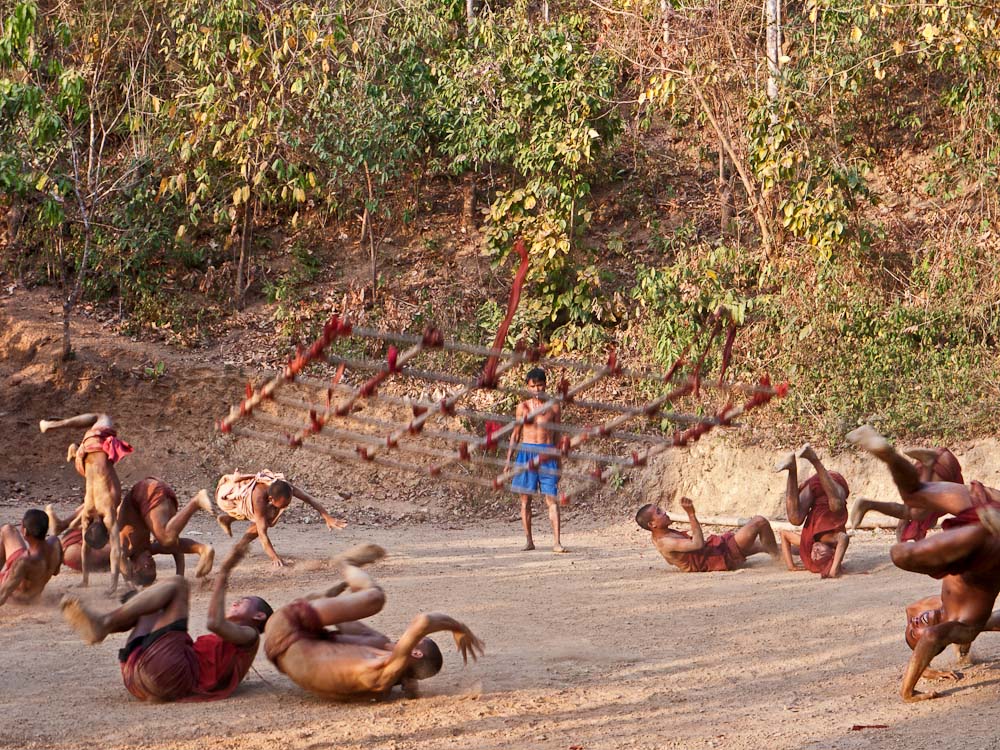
{"x":602,"y":648}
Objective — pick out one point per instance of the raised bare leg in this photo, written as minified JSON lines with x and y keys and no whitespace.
{"x":166,"y":528}
{"x":168,"y":601}
{"x":81,"y":420}
{"x":863,"y":505}
{"x":757,"y":536}
{"x":835,"y":494}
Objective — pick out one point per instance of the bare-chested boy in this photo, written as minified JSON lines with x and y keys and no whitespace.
{"x":820,"y":505}
{"x":150,"y":524}
{"x":353,"y":659}
{"x":160,"y":661}
{"x":696,"y":553}
{"x":261,"y":499}
{"x":934,"y":465}
{"x":95,"y":458}
{"x":536,"y":439}
{"x":965,"y":556}
{"x":27,"y":559}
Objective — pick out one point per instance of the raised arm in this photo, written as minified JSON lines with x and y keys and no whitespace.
{"x":227,"y":630}
{"x":421,"y":627}
{"x":259,"y":529}
{"x":515,"y":434}
{"x":331,"y":522}
{"x":679,"y":543}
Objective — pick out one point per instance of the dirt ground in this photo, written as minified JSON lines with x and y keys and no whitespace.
{"x":606,"y":647}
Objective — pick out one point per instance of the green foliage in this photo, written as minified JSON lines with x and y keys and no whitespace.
{"x":531,"y":99}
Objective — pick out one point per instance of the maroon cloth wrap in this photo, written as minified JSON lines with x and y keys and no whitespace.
{"x":166,"y":669}
{"x":221,"y":667}
{"x":150,"y":493}
{"x":101,"y":440}
{"x":67,"y":540}
{"x":980,"y":499}
{"x":821,"y":520}
{"x":946,"y":469}
{"x":12,"y":558}
{"x":293,"y":622}
{"x":719,"y":553}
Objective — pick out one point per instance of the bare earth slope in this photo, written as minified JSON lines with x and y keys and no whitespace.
{"x":604,"y":648}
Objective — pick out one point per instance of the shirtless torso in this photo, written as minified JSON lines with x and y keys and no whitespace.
{"x":95,"y":458}
{"x":27,"y":563}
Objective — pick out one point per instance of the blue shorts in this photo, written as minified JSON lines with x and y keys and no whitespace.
{"x":545,"y":479}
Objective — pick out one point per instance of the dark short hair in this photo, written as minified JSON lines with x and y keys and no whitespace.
{"x":429,"y":664}
{"x":535,"y":374}
{"x":36,"y":523}
{"x":144,"y":576}
{"x":262,"y":606}
{"x":642,"y":516}
{"x":96,"y":535}
{"x":280,"y":488}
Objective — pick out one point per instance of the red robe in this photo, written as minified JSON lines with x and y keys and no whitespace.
{"x":947,"y":469}
{"x":67,"y":540}
{"x":719,"y":553}
{"x":150,"y":493}
{"x":12,"y":558}
{"x":104,"y":440}
{"x":175,"y":668}
{"x":222,"y":667}
{"x":821,"y":520}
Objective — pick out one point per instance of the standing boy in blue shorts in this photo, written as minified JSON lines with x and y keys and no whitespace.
{"x":536,"y":438}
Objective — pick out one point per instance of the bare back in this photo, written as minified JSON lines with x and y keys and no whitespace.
{"x":336,"y":670}
{"x":38,"y":567}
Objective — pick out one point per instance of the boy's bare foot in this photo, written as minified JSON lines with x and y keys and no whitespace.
{"x":86,"y":623}
{"x":528,"y":547}
{"x":226,"y":522}
{"x":861,"y":506}
{"x":786,"y":463}
{"x":866,"y":438}
{"x":205,"y":560}
{"x":204,"y":501}
{"x":359,"y":555}
{"x":807,"y":453}
{"x":559,"y":549}
{"x":926,"y":456}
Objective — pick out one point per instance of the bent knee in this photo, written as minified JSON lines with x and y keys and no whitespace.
{"x":374,"y":599}
{"x":901,"y":554}
{"x":843,"y":538}
{"x":180,"y":584}
{"x":759,"y":522}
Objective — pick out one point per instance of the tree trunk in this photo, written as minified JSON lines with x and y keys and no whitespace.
{"x":243,"y":262}
{"x":726,"y":208}
{"x":469,"y":201}
{"x":772,"y":13}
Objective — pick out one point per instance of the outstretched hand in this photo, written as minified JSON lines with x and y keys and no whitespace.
{"x":334,"y":523}
{"x":687,"y":504}
{"x":468,"y":644}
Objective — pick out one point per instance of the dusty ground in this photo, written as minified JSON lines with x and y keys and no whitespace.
{"x":602,"y":648}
